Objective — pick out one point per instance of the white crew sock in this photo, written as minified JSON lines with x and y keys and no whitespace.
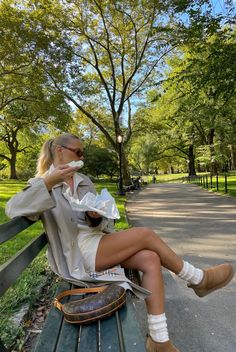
{"x":191,"y":274}
{"x":158,"y":327}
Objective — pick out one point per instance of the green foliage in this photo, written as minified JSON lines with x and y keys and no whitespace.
{"x":144,"y":152}
{"x":28,"y":106}
{"x":192,"y":113}
{"x":102,"y":56}
{"x":100,"y":161}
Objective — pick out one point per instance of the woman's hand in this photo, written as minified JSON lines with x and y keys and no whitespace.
{"x":60,"y":174}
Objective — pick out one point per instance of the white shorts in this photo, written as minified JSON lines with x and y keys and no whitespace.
{"x":88,"y":245}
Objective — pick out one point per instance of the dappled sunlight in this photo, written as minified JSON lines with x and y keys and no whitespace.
{"x":191,"y":220}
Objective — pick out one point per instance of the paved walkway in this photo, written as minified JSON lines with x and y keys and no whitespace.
{"x":201,"y":227}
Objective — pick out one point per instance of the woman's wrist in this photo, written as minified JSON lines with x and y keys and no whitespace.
{"x":49,"y":182}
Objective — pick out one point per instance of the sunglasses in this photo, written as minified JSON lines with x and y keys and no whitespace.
{"x":78,"y":152}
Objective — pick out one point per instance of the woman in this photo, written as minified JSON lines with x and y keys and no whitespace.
{"x":82,"y":250}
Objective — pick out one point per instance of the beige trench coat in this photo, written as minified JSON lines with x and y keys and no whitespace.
{"x":62,"y":226}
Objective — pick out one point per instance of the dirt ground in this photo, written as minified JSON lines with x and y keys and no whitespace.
{"x":34,"y":321}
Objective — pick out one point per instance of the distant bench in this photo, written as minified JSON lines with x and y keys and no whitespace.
{"x":133,"y":186}
{"x":118,"y":333}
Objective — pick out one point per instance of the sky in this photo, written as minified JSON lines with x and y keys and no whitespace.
{"x":219,"y":6}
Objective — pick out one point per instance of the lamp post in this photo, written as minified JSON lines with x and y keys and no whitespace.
{"x":188,"y":170}
{"x":121,"y":191}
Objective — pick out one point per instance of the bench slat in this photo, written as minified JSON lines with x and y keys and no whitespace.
{"x":13,"y":227}
{"x":114,"y":341}
{"x":133,"y":337}
{"x":47,"y":341}
{"x":68,"y":340}
{"x":89,"y":338}
{"x":10,"y":271}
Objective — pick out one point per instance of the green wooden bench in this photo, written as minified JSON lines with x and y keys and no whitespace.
{"x":118,"y":333}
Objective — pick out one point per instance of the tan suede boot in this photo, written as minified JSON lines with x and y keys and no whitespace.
{"x":214,"y":278}
{"x":152,"y":346}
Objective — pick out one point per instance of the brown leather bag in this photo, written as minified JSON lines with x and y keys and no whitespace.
{"x":104,"y":303}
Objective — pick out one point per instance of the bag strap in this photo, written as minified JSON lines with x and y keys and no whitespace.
{"x":76,"y":291}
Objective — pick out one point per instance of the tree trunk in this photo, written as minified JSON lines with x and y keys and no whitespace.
{"x":13,"y":174}
{"x":233,"y":157}
{"x":125,"y":168}
{"x":213,"y":163}
{"x":191,"y":164}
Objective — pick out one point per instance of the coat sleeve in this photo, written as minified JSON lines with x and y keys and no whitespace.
{"x":31,"y":202}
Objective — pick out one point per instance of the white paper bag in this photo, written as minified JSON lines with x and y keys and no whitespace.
{"x":104,"y":204}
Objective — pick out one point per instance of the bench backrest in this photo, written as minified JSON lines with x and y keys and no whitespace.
{"x":10,"y":271}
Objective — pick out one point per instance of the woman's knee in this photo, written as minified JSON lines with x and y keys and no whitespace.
{"x":149,"y":260}
{"x":146,"y":233}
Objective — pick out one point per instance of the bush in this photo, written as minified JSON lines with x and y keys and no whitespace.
{"x":25,"y":291}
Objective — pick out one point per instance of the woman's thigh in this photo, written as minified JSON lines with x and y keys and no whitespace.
{"x":144,"y":260}
{"x":117,"y":247}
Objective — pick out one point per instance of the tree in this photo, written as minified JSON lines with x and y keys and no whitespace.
{"x":196,"y":102}
{"x":100,"y":161}
{"x":210,"y":74}
{"x":24,"y":118}
{"x":169,"y":123}
{"x":16,"y":57}
{"x":102,"y":55}
{"x":28,"y":105}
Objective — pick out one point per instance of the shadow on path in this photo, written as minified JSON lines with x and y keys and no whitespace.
{"x":201,"y":227}
{"x":191,"y":220}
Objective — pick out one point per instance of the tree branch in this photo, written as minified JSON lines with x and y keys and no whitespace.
{"x":137,"y":65}
{"x":105,"y":132}
{"x":5,"y":157}
{"x":109,"y":54}
{"x":100,"y":74}
{"x":149,"y":73}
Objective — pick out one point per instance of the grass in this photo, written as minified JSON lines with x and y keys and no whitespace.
{"x":165,"y":178}
{"x":28,"y":286}
{"x":7,"y":190}
{"x":170,"y":178}
{"x":231,"y":184}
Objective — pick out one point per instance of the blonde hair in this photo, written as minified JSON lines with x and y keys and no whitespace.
{"x":46,"y":155}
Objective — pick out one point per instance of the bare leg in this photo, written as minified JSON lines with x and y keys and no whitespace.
{"x":117,"y":247}
{"x":140,"y":248}
{"x":149,"y":263}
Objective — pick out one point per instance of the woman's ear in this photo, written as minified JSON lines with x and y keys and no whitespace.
{"x":58,"y":152}
{"x":58,"y":148}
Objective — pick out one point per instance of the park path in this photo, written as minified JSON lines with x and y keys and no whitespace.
{"x":201,"y":227}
